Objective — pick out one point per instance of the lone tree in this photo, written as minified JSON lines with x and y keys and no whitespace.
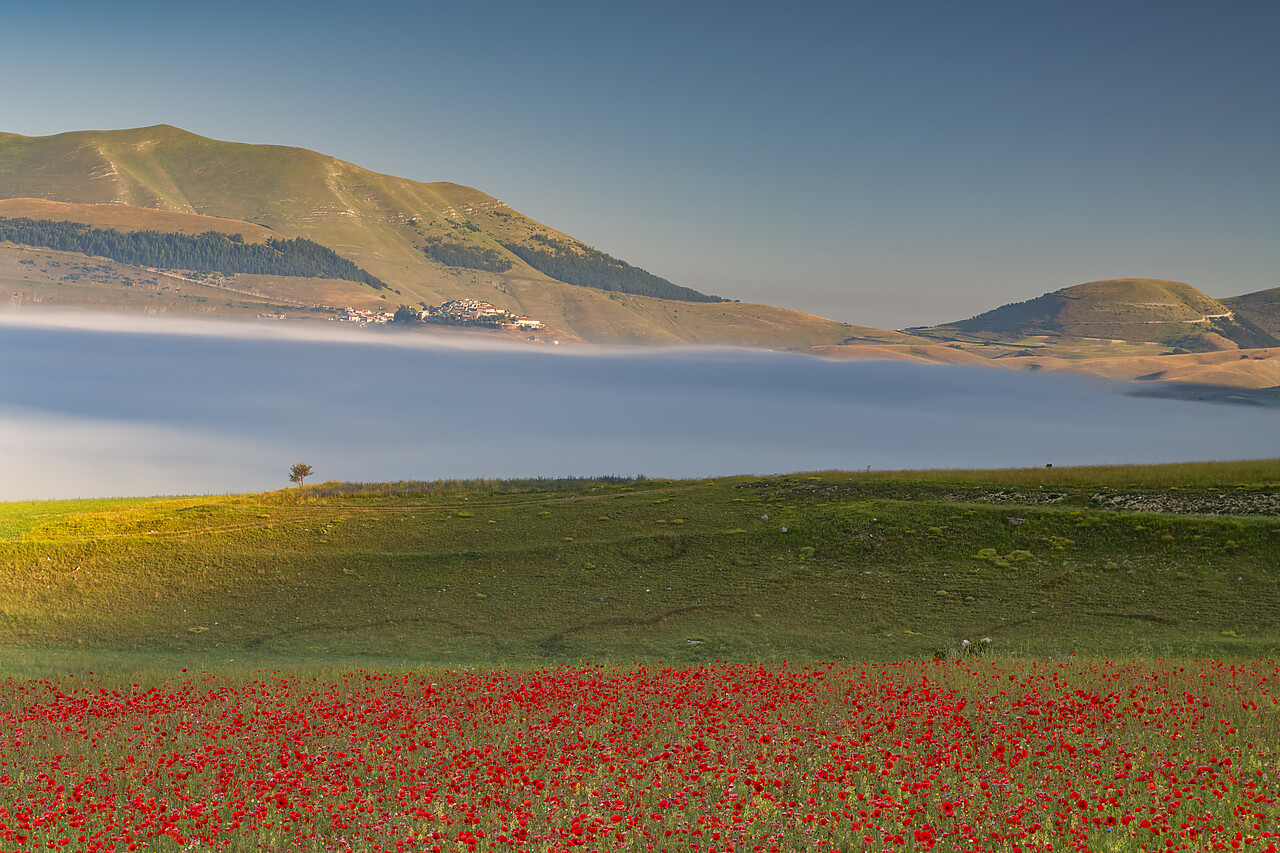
{"x":299,"y":473}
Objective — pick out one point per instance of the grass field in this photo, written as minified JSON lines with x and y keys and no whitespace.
{"x":1125,"y":561}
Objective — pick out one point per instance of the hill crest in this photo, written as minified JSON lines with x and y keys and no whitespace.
{"x":1135,"y":310}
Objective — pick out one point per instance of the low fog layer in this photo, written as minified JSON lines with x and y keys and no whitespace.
{"x":93,"y":411}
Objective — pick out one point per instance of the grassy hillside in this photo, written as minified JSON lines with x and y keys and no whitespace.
{"x":1130,"y":310}
{"x":1111,"y":561}
{"x":392,"y":227}
{"x":1261,"y":308}
{"x":211,"y":252}
{"x":47,"y":279}
{"x":126,"y":218}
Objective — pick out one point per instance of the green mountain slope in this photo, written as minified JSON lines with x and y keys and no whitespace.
{"x":430,"y":242}
{"x":1134,"y":310}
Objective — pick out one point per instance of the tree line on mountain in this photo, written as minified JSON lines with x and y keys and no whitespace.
{"x":588,"y":267}
{"x":207,"y":252}
{"x":467,"y":257}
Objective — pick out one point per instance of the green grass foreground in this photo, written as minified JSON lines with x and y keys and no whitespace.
{"x":1126,"y":561}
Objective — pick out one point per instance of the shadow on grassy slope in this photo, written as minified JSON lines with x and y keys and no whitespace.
{"x":1142,"y":561}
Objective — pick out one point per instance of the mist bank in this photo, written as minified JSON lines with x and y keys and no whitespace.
{"x":129,"y":409}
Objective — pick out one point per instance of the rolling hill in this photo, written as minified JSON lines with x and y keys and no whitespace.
{"x":1166,"y":333}
{"x":1133,"y":310}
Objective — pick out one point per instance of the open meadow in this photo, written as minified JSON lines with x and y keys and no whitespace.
{"x":1022,"y":660}
{"x":1121,"y":562}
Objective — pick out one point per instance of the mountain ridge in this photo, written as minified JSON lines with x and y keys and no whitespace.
{"x":381,"y":222}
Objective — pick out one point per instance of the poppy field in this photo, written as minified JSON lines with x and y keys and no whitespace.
{"x":968,"y":754}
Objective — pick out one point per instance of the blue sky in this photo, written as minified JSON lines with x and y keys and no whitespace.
{"x":887,"y":164}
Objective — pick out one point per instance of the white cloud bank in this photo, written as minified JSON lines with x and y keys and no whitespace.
{"x":132,"y":409}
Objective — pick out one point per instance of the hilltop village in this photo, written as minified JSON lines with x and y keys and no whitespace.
{"x":456,"y":312}
{"x":472,"y":312}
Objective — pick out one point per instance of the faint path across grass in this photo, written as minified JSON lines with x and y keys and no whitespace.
{"x":1172,"y":560}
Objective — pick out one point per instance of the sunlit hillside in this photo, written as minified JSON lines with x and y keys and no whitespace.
{"x":393,"y":227}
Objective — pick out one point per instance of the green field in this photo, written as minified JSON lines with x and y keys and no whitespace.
{"x":1121,"y":562}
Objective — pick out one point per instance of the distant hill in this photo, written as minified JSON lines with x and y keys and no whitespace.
{"x":1133,"y":310}
{"x":1162,"y":333}
{"x":1261,"y":308}
{"x":430,"y":242}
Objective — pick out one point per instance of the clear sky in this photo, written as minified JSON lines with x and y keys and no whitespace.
{"x":882,"y":163}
